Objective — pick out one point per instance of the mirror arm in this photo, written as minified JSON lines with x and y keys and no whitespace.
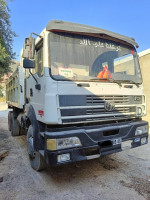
{"x":37,"y":86}
{"x":36,"y":35}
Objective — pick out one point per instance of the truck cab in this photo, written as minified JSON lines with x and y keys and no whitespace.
{"x":83,"y":94}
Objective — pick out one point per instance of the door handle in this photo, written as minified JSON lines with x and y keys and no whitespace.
{"x":31,"y":92}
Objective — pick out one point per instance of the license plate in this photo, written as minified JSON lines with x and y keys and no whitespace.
{"x":117,"y":141}
{"x":126,"y":145}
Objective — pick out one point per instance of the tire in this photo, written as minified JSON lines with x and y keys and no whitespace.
{"x":15,"y":126}
{"x":36,"y":159}
{"x":9,"y":120}
{"x":23,"y":131}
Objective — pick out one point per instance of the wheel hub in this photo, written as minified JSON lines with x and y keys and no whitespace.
{"x":30,"y":146}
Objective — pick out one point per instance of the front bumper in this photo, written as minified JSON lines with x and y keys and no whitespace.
{"x":96,"y":141}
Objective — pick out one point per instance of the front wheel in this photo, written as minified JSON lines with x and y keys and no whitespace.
{"x":36,"y":160}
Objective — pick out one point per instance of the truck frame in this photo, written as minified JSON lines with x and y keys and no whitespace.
{"x":77,"y":95}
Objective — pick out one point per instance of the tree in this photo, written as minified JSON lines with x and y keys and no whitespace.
{"x":1,"y":91}
{"x":6,"y":38}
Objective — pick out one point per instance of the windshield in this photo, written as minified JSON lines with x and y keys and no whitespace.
{"x":85,"y":58}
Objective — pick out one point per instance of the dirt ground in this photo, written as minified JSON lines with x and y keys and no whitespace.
{"x":121,"y":176}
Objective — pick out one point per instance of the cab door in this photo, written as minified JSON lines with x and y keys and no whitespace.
{"x":35,"y":89}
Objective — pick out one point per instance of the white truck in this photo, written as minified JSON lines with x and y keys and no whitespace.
{"x":77,"y":95}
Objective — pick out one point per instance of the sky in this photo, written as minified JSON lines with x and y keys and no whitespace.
{"x":128,"y":17}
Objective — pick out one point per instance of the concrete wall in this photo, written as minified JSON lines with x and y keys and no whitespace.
{"x":144,"y":58}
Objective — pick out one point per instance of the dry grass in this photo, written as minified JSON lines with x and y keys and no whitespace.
{"x":2,"y":99}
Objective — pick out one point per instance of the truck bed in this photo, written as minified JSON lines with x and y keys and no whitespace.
{"x":15,"y":89}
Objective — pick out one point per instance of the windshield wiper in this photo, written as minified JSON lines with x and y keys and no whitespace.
{"x":131,"y":82}
{"x":101,"y":79}
{"x":107,"y":79}
{"x":118,"y":82}
{"x":95,"y":79}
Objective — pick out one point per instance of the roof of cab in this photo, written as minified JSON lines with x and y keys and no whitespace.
{"x":58,"y":25}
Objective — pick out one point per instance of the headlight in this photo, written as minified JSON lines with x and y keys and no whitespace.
{"x":63,"y":143}
{"x":143,"y":99}
{"x":63,"y":157}
{"x":139,"y":111}
{"x":141,"y":130}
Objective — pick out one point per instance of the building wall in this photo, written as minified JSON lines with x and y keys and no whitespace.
{"x":144,"y":58}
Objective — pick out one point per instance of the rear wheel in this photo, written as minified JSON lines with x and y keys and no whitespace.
{"x":36,"y":159}
{"x":14,"y":125}
{"x":23,"y":131}
{"x":9,"y":120}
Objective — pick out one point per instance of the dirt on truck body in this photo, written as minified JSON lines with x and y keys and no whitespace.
{"x":121,"y":176}
{"x":78,"y":95}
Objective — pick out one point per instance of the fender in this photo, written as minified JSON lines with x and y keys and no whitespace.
{"x":36,"y":129}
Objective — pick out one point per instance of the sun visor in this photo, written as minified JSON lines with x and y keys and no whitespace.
{"x":63,"y":26}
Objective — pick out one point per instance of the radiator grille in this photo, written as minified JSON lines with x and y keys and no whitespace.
{"x":100,"y":100}
{"x":94,"y":108}
{"x":95,"y":111}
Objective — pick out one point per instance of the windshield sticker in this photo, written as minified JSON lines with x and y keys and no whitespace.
{"x":85,"y":42}
{"x":107,"y":45}
{"x":98,"y":44}
{"x":67,"y":72}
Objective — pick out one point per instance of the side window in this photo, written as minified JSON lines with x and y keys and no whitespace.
{"x":39,"y":60}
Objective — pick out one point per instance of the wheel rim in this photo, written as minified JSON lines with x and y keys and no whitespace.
{"x":30,"y":146}
{"x":36,"y":161}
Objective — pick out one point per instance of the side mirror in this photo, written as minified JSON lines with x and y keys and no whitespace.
{"x":28,"y":64}
{"x":29,"y":48}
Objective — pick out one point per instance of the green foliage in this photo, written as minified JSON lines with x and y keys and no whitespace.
{"x":1,"y":93}
{"x":6,"y":38}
